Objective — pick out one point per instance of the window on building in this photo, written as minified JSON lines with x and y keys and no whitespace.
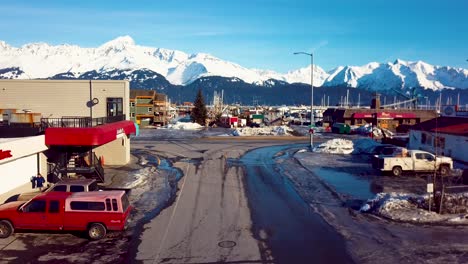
{"x":114,"y":106}
{"x":132,"y":114}
{"x":150,"y":109}
{"x":429,"y":140}
{"x":439,"y":142}
{"x":132,"y":104}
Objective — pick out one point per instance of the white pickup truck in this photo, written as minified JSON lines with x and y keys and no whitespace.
{"x":415,"y":161}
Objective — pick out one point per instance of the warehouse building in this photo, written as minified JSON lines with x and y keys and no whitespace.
{"x":81,"y":123}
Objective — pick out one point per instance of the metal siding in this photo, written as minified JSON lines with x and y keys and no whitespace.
{"x":57,"y":98}
{"x":50,"y":98}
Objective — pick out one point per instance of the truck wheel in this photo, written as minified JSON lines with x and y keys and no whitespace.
{"x":6,"y":229}
{"x":396,"y":171}
{"x":444,"y":170}
{"x":96,"y":231}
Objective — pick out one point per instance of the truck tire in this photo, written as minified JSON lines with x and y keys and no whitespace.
{"x":96,"y":231}
{"x":6,"y":229}
{"x":444,"y":170}
{"x":396,"y":171}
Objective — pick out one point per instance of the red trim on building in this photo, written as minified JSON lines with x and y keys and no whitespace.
{"x":88,"y":136}
{"x":404,"y":115}
{"x":382,"y":115}
{"x":362,"y":115}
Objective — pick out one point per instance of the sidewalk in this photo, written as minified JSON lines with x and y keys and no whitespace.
{"x":21,"y":189}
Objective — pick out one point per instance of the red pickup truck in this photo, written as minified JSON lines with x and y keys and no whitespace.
{"x":94,"y":212}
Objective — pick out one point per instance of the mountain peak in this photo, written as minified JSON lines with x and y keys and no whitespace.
{"x":4,"y":45}
{"x":120,"y":42}
{"x":400,"y":61}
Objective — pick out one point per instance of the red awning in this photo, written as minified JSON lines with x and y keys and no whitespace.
{"x":362,"y":115}
{"x":88,"y":136}
{"x":404,"y":115}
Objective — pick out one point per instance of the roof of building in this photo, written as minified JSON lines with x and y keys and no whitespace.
{"x":140,"y":92}
{"x":445,"y":124}
{"x":160,"y":97}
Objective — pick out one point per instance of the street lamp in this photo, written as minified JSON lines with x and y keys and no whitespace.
{"x":312,"y":95}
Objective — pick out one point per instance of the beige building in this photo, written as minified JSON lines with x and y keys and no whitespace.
{"x":59,"y":98}
{"x":85,"y":121}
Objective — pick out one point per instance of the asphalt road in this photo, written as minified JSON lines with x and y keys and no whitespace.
{"x":235,"y":211}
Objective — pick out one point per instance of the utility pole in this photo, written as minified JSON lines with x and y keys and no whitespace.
{"x":312,"y":95}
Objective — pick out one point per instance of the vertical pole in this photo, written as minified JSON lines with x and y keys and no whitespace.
{"x":312,"y":99}
{"x":90,"y":100}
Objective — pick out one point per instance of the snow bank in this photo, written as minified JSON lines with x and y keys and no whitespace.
{"x":409,"y":208}
{"x":263,"y":131}
{"x":344,"y":146}
{"x":335,"y":146}
{"x":184,"y":126}
{"x":367,"y":129}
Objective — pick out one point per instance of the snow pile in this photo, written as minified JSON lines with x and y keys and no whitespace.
{"x":263,"y":131}
{"x":184,"y":126}
{"x":335,"y":146}
{"x":367,"y":129}
{"x":409,"y":208}
{"x":364,"y":145}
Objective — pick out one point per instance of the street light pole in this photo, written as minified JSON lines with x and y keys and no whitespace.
{"x":312,"y":94}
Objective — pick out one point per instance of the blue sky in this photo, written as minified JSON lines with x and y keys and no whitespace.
{"x":255,"y":33}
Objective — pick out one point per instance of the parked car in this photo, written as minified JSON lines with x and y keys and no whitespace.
{"x":93,"y":212}
{"x":65,"y":185}
{"x":415,"y":161}
{"x":341,"y":128}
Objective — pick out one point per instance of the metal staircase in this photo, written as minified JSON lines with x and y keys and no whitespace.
{"x":86,"y":164}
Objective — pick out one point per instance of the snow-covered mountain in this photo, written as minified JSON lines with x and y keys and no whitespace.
{"x":40,"y":60}
{"x":398,"y":75}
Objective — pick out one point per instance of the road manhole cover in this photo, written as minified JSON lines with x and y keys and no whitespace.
{"x":227,"y":244}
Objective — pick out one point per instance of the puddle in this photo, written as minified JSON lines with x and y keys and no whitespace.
{"x":346,"y":183}
{"x":280,"y":217}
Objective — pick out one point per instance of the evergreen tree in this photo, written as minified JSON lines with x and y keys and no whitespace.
{"x":199,"y":112}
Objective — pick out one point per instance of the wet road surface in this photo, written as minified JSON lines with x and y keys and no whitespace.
{"x":291,"y":232}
